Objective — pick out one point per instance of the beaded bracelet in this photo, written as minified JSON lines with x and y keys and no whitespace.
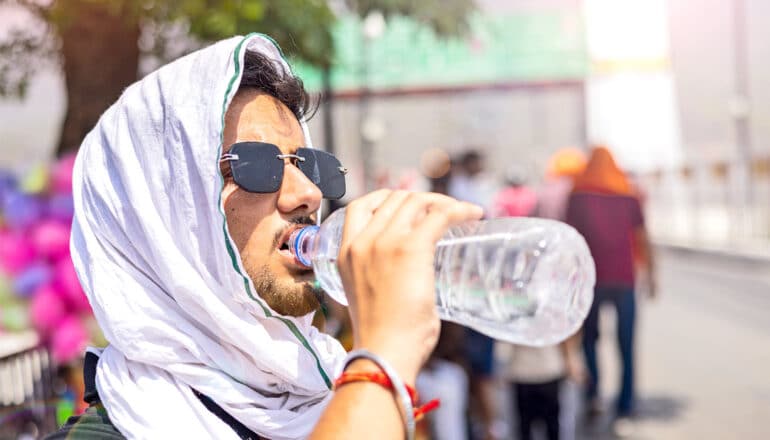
{"x":382,"y":379}
{"x":398,"y":386}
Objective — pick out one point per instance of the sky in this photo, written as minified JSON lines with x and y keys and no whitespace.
{"x":631,"y":97}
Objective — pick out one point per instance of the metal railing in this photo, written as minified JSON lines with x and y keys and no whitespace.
{"x":721,"y":205}
{"x":27,"y":395}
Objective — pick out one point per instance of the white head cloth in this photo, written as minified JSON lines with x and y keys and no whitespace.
{"x":166,"y":283}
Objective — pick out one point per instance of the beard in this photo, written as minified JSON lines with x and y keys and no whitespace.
{"x":286,"y":298}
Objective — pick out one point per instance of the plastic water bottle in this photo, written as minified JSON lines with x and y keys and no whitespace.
{"x":524,"y":280}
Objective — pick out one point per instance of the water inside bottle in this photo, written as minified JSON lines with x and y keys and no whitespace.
{"x":517,"y":285}
{"x":488,"y":276}
{"x":527,"y":281}
{"x":327,"y":274}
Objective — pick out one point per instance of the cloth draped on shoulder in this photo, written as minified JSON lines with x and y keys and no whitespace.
{"x":152,"y":250}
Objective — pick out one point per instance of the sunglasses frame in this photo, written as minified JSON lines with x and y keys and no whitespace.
{"x":318,"y":166}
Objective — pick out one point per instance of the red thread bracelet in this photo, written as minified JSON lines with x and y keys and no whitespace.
{"x":382,"y":379}
{"x":372,"y":376}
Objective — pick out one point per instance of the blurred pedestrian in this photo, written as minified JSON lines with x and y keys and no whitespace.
{"x":516,"y":199}
{"x":436,"y":166}
{"x":444,"y":377}
{"x":604,"y":208}
{"x":479,"y":353}
{"x":469,"y":180}
{"x":553,"y":195}
{"x":536,"y":375}
{"x":467,"y":183}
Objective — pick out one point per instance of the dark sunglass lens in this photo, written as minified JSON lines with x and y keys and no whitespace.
{"x":257,"y":169}
{"x":324,"y":170}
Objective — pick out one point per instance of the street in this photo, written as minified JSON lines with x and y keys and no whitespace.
{"x":703,"y":351}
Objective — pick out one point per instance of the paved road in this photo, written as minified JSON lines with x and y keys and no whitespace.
{"x":703,"y":351}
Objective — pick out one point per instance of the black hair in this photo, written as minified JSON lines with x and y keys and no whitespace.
{"x":266,"y":75}
{"x":470,"y":156}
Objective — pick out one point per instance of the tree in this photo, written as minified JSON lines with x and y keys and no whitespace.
{"x":99,"y":43}
{"x":447,"y":18}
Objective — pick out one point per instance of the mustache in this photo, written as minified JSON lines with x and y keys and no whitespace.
{"x":292,"y":222}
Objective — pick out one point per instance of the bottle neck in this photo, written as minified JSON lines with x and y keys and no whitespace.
{"x":300,"y":242}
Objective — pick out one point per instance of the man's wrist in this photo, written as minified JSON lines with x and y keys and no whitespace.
{"x":406,"y":368}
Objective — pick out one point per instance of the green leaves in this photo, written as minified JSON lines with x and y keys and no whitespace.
{"x":217,"y":23}
{"x":301,"y":27}
{"x":446,"y":17}
{"x":252,"y":10}
{"x":22,"y":52}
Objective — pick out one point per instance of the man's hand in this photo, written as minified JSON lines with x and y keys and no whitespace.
{"x":652,"y":286}
{"x":386,"y":265}
{"x":576,"y":372}
{"x":647,"y":285}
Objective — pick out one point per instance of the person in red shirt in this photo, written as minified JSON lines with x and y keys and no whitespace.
{"x":605,"y":209}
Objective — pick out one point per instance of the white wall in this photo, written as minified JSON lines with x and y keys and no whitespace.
{"x":522,"y":126}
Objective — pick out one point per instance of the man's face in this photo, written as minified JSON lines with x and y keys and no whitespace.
{"x":260,"y":223}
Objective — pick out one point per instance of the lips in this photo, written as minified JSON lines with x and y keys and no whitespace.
{"x":283,"y":246}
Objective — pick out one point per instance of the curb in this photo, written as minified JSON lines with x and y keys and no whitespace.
{"x":754,"y":256}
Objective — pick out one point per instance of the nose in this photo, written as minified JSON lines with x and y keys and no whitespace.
{"x":298,"y":195}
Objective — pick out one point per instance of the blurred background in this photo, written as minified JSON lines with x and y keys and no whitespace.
{"x":469,"y":97}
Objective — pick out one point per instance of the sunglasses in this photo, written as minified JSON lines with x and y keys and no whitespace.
{"x":258,"y":167}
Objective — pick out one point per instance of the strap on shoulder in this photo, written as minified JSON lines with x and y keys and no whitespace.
{"x":91,"y":396}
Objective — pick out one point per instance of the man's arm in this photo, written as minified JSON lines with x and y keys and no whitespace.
{"x":642,"y":240}
{"x":386,"y":266}
{"x":570,"y":350}
{"x":361,"y":410}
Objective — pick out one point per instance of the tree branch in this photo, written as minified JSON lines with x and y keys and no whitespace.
{"x":40,"y":10}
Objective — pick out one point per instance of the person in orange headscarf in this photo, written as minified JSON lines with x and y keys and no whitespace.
{"x":605,"y":209}
{"x":602,"y":175}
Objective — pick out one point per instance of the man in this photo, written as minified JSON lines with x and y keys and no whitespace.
{"x":469,"y":185}
{"x":185,"y":193}
{"x":604,"y":207}
{"x":466,"y":182}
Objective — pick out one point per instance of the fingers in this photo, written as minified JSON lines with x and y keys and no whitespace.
{"x":441,"y":217}
{"x":383,"y":214}
{"x":419,"y":205}
{"x":398,"y":213}
{"x":386,"y":260}
{"x":415,"y":207}
{"x":358,"y":214}
{"x":389,"y":216}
